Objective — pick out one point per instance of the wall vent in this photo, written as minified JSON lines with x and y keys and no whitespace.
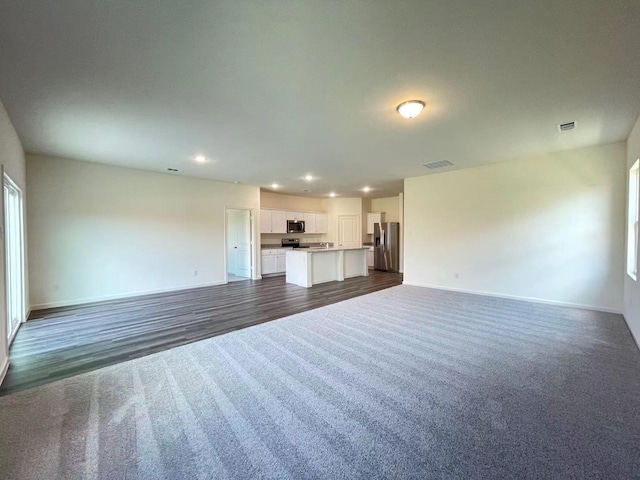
{"x":440,"y":164}
{"x":565,"y":127}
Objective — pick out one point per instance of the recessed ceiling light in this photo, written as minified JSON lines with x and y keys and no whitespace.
{"x":410,"y":109}
{"x":274,"y":185}
{"x":308,"y":178}
{"x":366,"y":189}
{"x":200,"y":158}
{"x":236,"y":182}
{"x":332,"y":194}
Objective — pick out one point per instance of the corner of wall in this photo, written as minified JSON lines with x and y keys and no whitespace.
{"x":631,"y":288}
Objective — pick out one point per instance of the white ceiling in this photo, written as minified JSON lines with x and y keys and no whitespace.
{"x":272,"y":90}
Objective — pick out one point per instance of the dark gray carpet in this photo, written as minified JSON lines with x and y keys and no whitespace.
{"x":403,"y":383}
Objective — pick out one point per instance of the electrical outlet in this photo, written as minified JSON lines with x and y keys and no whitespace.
{"x":455,"y":275}
{"x":195,"y":273}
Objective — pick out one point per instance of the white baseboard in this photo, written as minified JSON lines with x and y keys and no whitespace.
{"x":80,"y":301}
{"x":3,"y":371}
{"x":517,"y":297}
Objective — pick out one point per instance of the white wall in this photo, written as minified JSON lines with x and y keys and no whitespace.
{"x":12,"y":160}
{"x":549,"y":228}
{"x":291,"y":202}
{"x":389,"y":205}
{"x":98,"y":232}
{"x":632,"y":287}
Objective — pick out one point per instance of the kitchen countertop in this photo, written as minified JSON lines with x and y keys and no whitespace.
{"x":304,"y":246}
{"x":323,"y":249}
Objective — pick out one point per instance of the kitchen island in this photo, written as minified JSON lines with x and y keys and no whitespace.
{"x":308,"y":267}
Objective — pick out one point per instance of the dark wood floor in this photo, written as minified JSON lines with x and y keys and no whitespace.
{"x":61,"y":342}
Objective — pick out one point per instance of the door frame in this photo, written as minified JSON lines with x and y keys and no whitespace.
{"x":6,"y":180}
{"x":253,"y":228}
{"x":358,"y":227}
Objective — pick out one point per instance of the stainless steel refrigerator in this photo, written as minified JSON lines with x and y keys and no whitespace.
{"x":386,"y":243}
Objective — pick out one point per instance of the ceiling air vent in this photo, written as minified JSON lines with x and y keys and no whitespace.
{"x":565,"y":127}
{"x":440,"y":164}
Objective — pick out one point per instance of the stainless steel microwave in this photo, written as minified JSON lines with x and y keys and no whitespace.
{"x":295,"y":226}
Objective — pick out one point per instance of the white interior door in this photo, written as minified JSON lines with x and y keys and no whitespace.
{"x":231,"y":241}
{"x":349,"y":231}
{"x":239,"y":242}
{"x":14,"y":256}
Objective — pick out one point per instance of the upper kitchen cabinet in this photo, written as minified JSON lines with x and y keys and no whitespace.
{"x":273,"y":221}
{"x":309,"y":223}
{"x":373,"y":218}
{"x":278,"y":221}
{"x":315,"y":222}
{"x":321,"y":223}
{"x":265,"y":221}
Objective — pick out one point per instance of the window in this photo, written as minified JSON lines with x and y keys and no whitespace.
{"x":632,"y":226}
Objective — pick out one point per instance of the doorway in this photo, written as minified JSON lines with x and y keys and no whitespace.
{"x":238,"y":244}
{"x":349,"y":231}
{"x":14,"y":256}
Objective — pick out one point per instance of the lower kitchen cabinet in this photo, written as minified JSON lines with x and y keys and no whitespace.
{"x":268,"y":264}
{"x":274,"y":260}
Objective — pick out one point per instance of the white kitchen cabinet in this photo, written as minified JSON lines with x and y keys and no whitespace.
{"x":274,"y":260}
{"x":321,"y":223}
{"x":372,"y":218}
{"x":370,"y":258}
{"x":309,"y":223}
{"x":273,"y":221}
{"x":265,"y":221}
{"x":278,"y":221}
{"x":268,"y":264}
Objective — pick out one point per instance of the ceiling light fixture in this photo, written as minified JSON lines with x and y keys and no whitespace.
{"x":366,"y":189}
{"x":200,"y":158}
{"x":308,"y":178}
{"x":274,"y":185}
{"x":332,"y":194}
{"x":411,"y":108}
